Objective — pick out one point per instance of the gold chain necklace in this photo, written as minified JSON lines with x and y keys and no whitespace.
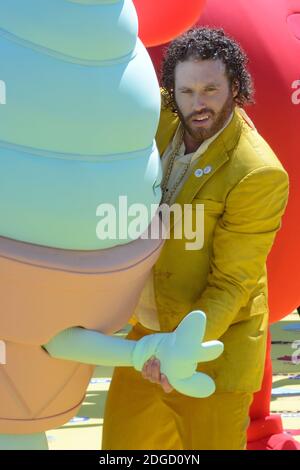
{"x":166,"y":192}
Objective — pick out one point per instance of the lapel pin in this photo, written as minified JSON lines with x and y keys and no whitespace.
{"x":198,"y":173}
{"x":207,"y":170}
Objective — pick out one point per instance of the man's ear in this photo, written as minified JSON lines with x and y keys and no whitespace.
{"x":235,"y":88}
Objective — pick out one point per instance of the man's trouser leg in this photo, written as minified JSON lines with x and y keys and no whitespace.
{"x":140,"y":415}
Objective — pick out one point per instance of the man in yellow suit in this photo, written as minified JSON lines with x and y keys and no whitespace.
{"x":212,"y":155}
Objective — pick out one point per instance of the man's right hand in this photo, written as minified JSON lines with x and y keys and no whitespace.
{"x":179,"y":353}
{"x":151,"y":371}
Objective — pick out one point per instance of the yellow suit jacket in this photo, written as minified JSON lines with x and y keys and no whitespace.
{"x":244,"y":197}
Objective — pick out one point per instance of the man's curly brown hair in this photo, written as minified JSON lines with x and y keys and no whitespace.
{"x":207,"y":43}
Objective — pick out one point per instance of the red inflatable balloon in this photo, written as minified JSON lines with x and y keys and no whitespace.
{"x":270,"y":32}
{"x":162,"y":20}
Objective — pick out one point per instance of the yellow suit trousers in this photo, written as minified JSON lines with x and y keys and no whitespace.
{"x":139,"y":415}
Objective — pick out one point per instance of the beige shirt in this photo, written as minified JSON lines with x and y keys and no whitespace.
{"x":146,"y":310}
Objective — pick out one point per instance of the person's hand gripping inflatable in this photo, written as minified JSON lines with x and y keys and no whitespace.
{"x":179,"y":352}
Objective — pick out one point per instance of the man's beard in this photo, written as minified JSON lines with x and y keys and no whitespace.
{"x":218,"y":121}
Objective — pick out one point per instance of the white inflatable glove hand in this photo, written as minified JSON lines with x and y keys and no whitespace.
{"x":179,"y":352}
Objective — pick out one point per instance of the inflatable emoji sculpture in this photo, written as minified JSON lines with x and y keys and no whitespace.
{"x":78,"y":121}
{"x":163,"y":20}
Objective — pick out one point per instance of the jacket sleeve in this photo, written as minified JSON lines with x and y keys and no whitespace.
{"x":242,"y":241}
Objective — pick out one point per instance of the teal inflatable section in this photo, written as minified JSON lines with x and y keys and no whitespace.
{"x":82,"y":108}
{"x":74,"y":29}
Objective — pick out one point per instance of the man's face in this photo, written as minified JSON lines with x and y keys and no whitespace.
{"x":203,"y":96}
